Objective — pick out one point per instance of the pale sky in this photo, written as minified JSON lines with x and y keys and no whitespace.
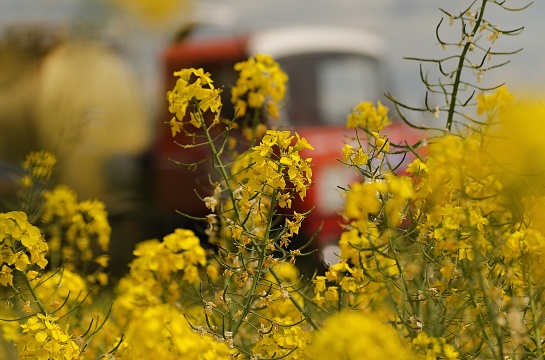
{"x":408,"y":26}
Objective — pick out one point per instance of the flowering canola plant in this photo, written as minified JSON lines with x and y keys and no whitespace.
{"x":440,"y":261}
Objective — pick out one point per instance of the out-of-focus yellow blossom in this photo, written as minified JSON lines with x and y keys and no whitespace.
{"x":162,"y":332}
{"x":357,"y":335}
{"x":381,"y":142}
{"x":261,"y":83}
{"x":479,"y":204}
{"x":95,"y":217}
{"x":286,"y":338}
{"x":11,"y":330}
{"x":63,"y":288}
{"x":153,"y":12}
{"x":282,"y":292}
{"x":103,"y":260}
{"x":519,"y":148}
{"x":61,"y":202}
{"x":179,"y":251}
{"x":433,"y":348}
{"x":194,"y":89}
{"x":457,"y":166}
{"x":319,"y":283}
{"x":83,"y":225}
{"x":450,"y":159}
{"x":255,"y":132}
{"x":362,"y":200}
{"x":40,"y":164}
{"x":44,"y":339}
{"x":352,"y":241}
{"x":493,"y":104}
{"x":348,"y":151}
{"x":159,"y":271}
{"x":287,"y":272}
{"x":369,"y":117}
{"x":399,"y":192}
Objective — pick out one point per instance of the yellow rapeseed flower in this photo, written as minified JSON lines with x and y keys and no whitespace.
{"x":261,"y":84}
{"x":357,"y":335}
{"x":494,"y":102}
{"x":44,"y":339}
{"x":40,"y":165}
{"x":194,"y":88}
{"x":369,"y":117}
{"x":18,"y":240}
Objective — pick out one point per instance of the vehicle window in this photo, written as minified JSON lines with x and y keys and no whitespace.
{"x":324,"y":88}
{"x":342,"y":83}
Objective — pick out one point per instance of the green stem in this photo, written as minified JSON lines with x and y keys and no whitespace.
{"x":219,"y":164}
{"x":491,"y":310}
{"x":259,"y":270}
{"x":456,"y":84}
{"x":537,"y":335}
{"x":34,"y":295}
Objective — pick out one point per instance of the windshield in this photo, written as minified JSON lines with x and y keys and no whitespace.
{"x":324,"y":88}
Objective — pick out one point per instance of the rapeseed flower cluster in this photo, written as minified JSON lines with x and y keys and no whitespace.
{"x":161,"y":331}
{"x":477,"y":214}
{"x":160,"y":271}
{"x":354,"y":286}
{"x":373,"y":212}
{"x":154,"y":13}
{"x":261,"y":83}
{"x":195,"y":90}
{"x":282,"y":337}
{"x":465,"y":228}
{"x":40,"y":165}
{"x":43,"y":339}
{"x":62,"y":291}
{"x":357,"y":335}
{"x":368,"y":148}
{"x":494,"y":103}
{"x":250,"y":225}
{"x":179,"y":251}
{"x":277,"y":163}
{"x":357,"y":156}
{"x":433,"y":348}
{"x":155,"y":303}
{"x":270,"y":173}
{"x":387,"y":198}
{"x":369,"y":117}
{"x":78,"y":231}
{"x":21,"y":246}
{"x":443,"y":263}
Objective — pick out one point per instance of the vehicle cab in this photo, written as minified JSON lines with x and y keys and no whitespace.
{"x":330,"y":71}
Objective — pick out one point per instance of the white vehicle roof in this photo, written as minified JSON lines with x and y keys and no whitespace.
{"x":293,"y":40}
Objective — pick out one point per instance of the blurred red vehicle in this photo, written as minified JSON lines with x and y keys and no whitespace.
{"x":330,"y":71}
